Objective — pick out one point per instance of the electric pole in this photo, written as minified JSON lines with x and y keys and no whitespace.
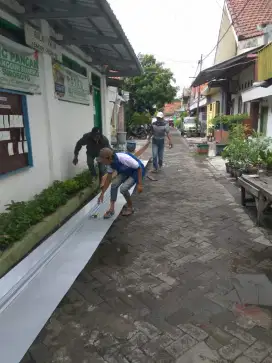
{"x":198,"y":96}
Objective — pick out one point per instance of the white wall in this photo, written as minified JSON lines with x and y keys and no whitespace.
{"x":227,"y":48}
{"x":55,"y":127}
{"x":268,"y":102}
{"x":245,"y":79}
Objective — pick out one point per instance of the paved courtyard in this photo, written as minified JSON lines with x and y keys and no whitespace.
{"x":186,"y":279}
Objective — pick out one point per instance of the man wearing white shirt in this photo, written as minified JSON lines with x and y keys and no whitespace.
{"x":130,"y":171}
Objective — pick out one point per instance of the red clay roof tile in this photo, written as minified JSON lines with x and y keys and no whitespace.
{"x":256,"y":12}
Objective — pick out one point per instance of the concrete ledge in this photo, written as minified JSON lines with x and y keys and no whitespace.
{"x":37,"y":233}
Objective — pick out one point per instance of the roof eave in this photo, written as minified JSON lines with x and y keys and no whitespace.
{"x":203,"y":76}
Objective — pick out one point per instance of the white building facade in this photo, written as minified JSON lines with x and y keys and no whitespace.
{"x":51,"y":93}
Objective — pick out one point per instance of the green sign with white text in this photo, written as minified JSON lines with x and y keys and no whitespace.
{"x":19,"y":72}
{"x":70,"y":86}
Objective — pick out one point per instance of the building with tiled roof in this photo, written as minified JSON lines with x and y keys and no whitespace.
{"x":171,"y":108}
{"x":246,"y":15}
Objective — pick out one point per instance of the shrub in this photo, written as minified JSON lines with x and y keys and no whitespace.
{"x":20,"y":216}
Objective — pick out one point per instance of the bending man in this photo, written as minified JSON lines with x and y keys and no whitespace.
{"x":130,"y":171}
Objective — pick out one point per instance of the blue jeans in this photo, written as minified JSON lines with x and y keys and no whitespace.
{"x":157,"y":152}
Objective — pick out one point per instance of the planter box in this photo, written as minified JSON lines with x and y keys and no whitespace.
{"x":10,"y":257}
{"x":219,"y":149}
{"x":202,"y":148}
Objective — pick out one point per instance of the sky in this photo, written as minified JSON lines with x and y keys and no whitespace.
{"x":176,"y":32}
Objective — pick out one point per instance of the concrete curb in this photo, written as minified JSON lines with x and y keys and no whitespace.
{"x":38,"y":232}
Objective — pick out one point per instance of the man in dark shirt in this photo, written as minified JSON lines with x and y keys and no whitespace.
{"x":94,"y":142}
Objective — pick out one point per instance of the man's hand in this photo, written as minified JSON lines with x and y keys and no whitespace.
{"x":139,"y":188}
{"x":100,"y":198}
{"x":75,"y":161}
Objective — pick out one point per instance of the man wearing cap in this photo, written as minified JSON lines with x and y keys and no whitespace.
{"x":130,"y":171}
{"x":94,"y":142}
{"x":160,"y":129}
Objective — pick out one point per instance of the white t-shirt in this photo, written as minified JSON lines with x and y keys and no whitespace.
{"x":126,"y":160}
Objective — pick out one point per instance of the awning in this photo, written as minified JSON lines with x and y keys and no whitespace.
{"x":209,"y":91}
{"x":226,"y":69}
{"x":202,"y":103}
{"x":91,"y":26}
{"x":256,"y":93}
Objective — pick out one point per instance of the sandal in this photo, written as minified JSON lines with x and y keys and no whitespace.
{"x":108,"y":214}
{"x":124,"y":207}
{"x":128,"y":212}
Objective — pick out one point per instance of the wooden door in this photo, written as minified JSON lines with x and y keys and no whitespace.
{"x":254,"y":115}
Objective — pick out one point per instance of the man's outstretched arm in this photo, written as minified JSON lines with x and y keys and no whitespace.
{"x":81,"y":142}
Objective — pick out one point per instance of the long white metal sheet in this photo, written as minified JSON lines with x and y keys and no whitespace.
{"x":32,"y":290}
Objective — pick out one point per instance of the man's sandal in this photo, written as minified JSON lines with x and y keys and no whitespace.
{"x":128,"y":212}
{"x":108,"y":214}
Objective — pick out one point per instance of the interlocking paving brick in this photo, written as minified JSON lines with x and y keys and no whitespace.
{"x":194,"y":331}
{"x":239,"y":333}
{"x":267,"y":360}
{"x":213,"y":344}
{"x":180,"y":316}
{"x":243,"y":359}
{"x":137,"y":356}
{"x":258,"y":351}
{"x":151,"y":348}
{"x":116,"y":358}
{"x":160,"y":287}
{"x":180,"y":346}
{"x":162,"y":357}
{"x":232,"y":350}
{"x":200,"y":353}
{"x":148,"y":329}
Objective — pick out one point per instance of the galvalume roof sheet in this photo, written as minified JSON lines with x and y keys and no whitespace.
{"x":92,"y":26}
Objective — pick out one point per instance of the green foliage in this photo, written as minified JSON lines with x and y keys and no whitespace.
{"x":244,"y":152}
{"x":153,"y":87}
{"x":177,"y":123}
{"x":20,"y":216}
{"x":140,"y":118}
{"x":228,"y":120}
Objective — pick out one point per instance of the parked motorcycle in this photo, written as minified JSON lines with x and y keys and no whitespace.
{"x":138,"y":132}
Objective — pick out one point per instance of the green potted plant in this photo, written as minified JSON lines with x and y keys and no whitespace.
{"x":266,"y":155}
{"x":203,"y":148}
{"x":258,"y":152}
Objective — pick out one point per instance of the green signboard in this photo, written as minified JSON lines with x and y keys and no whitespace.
{"x":19,"y":72}
{"x":70,"y":86}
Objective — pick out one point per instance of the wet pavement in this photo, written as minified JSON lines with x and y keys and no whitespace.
{"x":187,"y":278}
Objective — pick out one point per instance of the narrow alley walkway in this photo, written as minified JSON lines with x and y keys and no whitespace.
{"x":185,"y":279}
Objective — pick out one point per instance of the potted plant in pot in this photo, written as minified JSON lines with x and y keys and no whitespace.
{"x":236,"y":151}
{"x":259,"y":152}
{"x":203,"y":148}
{"x":226,"y":155}
{"x":266,"y":157}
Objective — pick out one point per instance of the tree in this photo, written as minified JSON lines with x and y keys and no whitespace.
{"x":152,"y":89}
